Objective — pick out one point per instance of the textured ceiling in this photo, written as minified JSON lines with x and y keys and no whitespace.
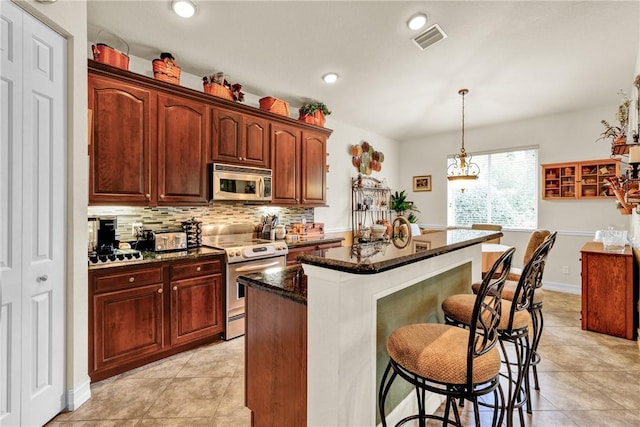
{"x":519,"y":59}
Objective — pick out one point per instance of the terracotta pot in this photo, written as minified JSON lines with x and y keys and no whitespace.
{"x":320,"y":118}
{"x":308,"y":119}
{"x":620,"y":139}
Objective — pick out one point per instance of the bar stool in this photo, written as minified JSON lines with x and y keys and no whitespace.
{"x":454,"y":362}
{"x":535,"y":309}
{"x":513,"y":327}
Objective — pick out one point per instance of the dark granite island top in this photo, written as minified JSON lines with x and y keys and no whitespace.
{"x":379,"y":256}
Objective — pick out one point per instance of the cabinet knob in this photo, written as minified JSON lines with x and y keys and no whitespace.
{"x":159,"y":290}
{"x":132,"y":279}
{"x":198,"y":268}
{"x":162,"y":196}
{"x":239,"y":158}
{"x":175,"y":288}
{"x":148,"y":196}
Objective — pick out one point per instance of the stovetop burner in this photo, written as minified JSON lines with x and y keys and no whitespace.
{"x":117,"y":256}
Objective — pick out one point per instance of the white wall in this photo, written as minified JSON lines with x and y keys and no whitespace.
{"x":69,"y":18}
{"x":561,"y":138}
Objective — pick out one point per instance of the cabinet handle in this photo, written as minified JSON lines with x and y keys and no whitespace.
{"x":159,"y":290}
{"x":132,"y":279}
{"x":198,"y":268}
{"x":175,"y":288}
{"x":43,"y":278}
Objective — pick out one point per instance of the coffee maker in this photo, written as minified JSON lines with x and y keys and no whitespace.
{"x":102,"y":235}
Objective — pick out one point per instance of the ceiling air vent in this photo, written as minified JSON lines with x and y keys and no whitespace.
{"x":431,"y":36}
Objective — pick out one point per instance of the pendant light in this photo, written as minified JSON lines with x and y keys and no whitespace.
{"x":463,"y":171}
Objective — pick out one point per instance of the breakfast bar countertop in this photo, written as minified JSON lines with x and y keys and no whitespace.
{"x":379,"y":256}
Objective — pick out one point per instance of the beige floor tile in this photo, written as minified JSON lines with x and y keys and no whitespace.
{"x":240,"y":419}
{"x":197,"y":388}
{"x":567,"y":391}
{"x":95,"y":423}
{"x":175,"y":422}
{"x":622,"y":387}
{"x":165,"y":368}
{"x":182,"y":407}
{"x":605,"y":418}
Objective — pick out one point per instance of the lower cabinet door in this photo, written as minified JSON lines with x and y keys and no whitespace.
{"x":196,"y":307}
{"x":127,"y":325}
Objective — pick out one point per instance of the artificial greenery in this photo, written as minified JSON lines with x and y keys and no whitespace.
{"x":309,"y":108}
{"x":614,"y":131}
{"x":400,"y":205}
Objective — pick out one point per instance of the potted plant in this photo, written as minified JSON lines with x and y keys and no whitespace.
{"x":618,"y":131}
{"x":314,"y":113}
{"x":400,"y":205}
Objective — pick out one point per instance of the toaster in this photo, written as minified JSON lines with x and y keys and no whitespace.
{"x":169,"y":240}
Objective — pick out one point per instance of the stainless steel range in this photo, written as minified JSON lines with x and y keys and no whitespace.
{"x":244,"y":255}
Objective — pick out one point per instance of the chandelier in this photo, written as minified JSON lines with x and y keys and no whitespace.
{"x":462,"y":171}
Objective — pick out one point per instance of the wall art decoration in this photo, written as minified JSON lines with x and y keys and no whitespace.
{"x":422,"y":183}
{"x":365,"y":159}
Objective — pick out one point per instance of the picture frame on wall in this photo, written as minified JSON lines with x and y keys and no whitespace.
{"x":422,"y":183}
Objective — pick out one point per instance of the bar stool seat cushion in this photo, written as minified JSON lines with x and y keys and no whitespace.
{"x":460,"y":308}
{"x":509,"y":291}
{"x":439,"y":353}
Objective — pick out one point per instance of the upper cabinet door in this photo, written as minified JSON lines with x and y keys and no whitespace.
{"x":227,"y":136}
{"x":182,"y":151}
{"x":121,"y":142}
{"x":285,"y":162}
{"x":256,"y":150}
{"x":239,"y":139}
{"x":313,"y":158}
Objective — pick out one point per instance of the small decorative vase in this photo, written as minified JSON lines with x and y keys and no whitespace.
{"x":620,"y":139}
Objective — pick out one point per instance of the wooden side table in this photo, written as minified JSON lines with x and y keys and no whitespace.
{"x":609,"y":291}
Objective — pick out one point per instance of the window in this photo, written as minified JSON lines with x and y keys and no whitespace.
{"x":505,"y":193}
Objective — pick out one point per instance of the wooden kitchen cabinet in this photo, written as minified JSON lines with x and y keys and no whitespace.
{"x":609,"y":291}
{"x":126,"y":318}
{"x":146,"y":147}
{"x":579,"y":180}
{"x":183,"y":137}
{"x":239,"y":139}
{"x":196,"y":302}
{"x":150,"y":143}
{"x":313,"y":187}
{"x":145,"y":312}
{"x":298,"y":160}
{"x":123,"y":139}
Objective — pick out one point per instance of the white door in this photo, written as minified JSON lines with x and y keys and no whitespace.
{"x":32,"y":251}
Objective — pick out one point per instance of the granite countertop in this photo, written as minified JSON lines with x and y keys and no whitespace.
{"x":368,"y":258}
{"x":378,"y":256}
{"x":288,"y":282}
{"x":151,"y":257}
{"x":314,"y":240}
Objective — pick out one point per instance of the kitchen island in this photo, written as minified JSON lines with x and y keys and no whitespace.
{"x":315,"y":343}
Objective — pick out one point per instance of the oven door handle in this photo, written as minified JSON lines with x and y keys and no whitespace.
{"x":255,"y":267}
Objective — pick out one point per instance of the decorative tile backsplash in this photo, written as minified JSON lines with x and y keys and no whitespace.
{"x":158,"y":218}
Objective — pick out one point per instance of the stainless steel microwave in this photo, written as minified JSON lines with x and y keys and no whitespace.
{"x":230,"y":182}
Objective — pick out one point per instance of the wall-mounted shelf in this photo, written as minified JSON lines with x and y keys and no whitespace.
{"x":579,"y":180}
{"x":370,"y":204}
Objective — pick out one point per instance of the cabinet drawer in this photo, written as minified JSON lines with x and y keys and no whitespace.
{"x":127,"y":279}
{"x":195,"y":269}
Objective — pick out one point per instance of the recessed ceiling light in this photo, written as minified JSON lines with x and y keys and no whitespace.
{"x":184,"y":8}
{"x":417,"y":21}
{"x":330,"y":78}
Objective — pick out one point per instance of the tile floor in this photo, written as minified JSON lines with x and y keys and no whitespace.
{"x":586,"y":379}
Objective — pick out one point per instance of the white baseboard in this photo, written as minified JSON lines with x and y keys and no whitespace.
{"x":77,"y":396}
{"x":562,"y":287}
